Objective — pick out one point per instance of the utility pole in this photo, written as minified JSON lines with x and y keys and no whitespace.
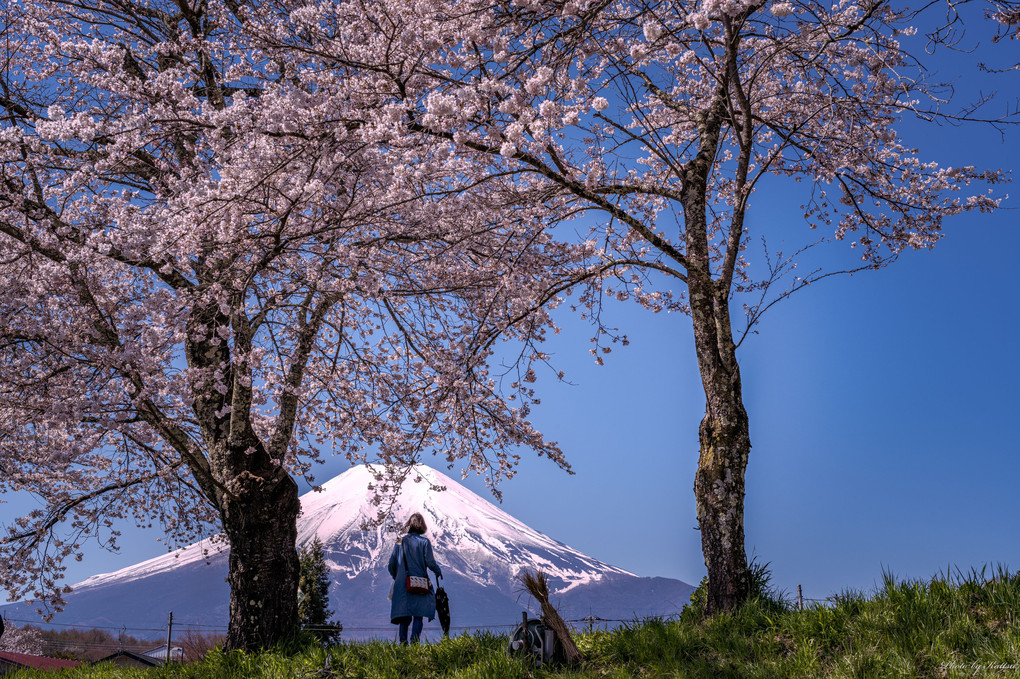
{"x":169,"y":633}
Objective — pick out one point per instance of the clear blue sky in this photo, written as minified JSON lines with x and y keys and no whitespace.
{"x":883,"y":411}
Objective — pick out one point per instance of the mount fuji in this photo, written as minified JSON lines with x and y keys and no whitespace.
{"x":480,"y":548}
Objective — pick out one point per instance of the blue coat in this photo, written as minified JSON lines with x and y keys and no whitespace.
{"x":419,"y":554}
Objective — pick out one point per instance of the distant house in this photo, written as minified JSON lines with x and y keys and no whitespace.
{"x":176,"y":653}
{"x":11,"y":662}
{"x":130,"y":659}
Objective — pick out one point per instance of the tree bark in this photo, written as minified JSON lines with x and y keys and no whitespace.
{"x":724,"y":438}
{"x":725,"y":444}
{"x":260,"y":521}
{"x":257,"y":499}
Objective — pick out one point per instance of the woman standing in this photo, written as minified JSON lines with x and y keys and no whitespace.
{"x":411,"y":556}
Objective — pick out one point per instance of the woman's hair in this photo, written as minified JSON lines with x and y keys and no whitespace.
{"x":416,"y":524}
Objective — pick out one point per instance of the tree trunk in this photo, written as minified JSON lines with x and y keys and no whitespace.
{"x":256,"y":497}
{"x":723,"y":435}
{"x":725,"y":445}
{"x":261,"y":524}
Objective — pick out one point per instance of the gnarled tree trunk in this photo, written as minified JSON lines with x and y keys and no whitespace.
{"x":261,"y":524}
{"x":245,"y":479}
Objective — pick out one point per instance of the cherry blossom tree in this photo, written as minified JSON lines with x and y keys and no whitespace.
{"x":26,"y":639}
{"x":215,"y":269}
{"x":654,"y":124}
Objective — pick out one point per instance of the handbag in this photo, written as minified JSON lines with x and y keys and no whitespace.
{"x":416,"y":584}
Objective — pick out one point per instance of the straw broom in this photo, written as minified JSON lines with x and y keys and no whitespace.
{"x":538,"y":587}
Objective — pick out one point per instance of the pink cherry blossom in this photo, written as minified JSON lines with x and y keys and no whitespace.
{"x":221,"y":263}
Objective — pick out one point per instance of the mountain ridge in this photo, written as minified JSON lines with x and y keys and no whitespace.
{"x":481,"y":549}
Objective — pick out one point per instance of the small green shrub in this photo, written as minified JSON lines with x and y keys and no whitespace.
{"x":759,"y":586}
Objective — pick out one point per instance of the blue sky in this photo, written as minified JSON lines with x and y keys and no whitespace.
{"x":882,"y":408}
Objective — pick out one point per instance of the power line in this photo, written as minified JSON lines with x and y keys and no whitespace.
{"x":36,"y":623}
{"x":589,"y":620}
{"x":312,"y":628}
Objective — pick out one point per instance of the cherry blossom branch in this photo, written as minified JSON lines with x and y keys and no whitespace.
{"x":575,"y":187}
{"x":58,"y":514}
{"x":308,"y":331}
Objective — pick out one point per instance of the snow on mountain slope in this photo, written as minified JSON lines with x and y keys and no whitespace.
{"x":474,"y":538}
{"x":480,"y":548}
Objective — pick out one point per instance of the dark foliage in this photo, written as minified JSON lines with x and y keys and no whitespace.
{"x":313,"y":595}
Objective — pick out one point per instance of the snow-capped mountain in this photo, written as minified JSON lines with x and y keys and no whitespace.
{"x":480,"y":548}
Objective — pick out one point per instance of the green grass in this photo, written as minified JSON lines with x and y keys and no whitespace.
{"x":965,"y":626}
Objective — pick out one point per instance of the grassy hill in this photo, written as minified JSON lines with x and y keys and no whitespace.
{"x":948,"y":627}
